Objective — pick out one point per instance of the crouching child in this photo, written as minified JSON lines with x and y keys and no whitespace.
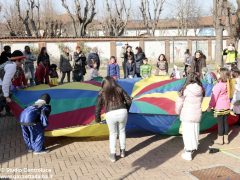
{"x":33,"y":120}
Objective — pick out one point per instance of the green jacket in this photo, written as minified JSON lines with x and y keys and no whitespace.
{"x":145,"y":70}
{"x":231,"y":56}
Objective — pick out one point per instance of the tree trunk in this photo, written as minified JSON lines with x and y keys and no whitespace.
{"x":219,"y":46}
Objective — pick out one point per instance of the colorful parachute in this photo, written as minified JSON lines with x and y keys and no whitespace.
{"x":73,"y":106}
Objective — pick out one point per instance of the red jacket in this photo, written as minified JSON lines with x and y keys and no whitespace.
{"x":41,"y":74}
{"x":19,"y":78}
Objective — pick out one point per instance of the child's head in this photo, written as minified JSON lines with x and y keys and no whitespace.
{"x":18,"y":57}
{"x":53,"y":67}
{"x":235,"y":73}
{"x":113,"y":59}
{"x":162,"y":57}
{"x":43,"y":99}
{"x":145,"y":61}
{"x":224,"y":74}
{"x":204,"y":70}
{"x":231,"y":47}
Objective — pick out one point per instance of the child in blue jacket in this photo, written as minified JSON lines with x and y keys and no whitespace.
{"x":33,"y":120}
{"x":113,"y":69}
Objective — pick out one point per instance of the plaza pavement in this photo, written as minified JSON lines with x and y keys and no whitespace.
{"x":149,"y":156}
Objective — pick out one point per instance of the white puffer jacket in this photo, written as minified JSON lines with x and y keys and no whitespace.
{"x":190,"y":109}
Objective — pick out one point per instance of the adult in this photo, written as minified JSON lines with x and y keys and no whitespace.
{"x":126,"y":57}
{"x":199,"y":62}
{"x":116,"y":102}
{"x":43,"y":57}
{"x":123,"y":52}
{"x":29,"y":64}
{"x":139,"y":56}
{"x":231,"y":56}
{"x":94,"y":56}
{"x":7,"y":72}
{"x":188,"y":61}
{"x":43,"y":64}
{"x":65,"y":65}
{"x":5,"y":54}
{"x":79,"y":66}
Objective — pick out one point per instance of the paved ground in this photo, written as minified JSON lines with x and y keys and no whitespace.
{"x":149,"y":157}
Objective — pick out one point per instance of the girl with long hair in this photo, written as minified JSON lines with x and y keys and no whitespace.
{"x":116,"y":103}
{"x":188,"y":106}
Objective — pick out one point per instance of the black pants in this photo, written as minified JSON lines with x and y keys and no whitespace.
{"x":124,"y":69}
{"x":63,"y":76}
{"x":223,"y":127}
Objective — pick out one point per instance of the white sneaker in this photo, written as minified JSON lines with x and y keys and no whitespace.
{"x":41,"y":152}
{"x":187,"y":156}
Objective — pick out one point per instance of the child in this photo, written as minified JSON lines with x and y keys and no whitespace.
{"x":162,"y":65}
{"x":209,"y":77}
{"x":176,"y":73}
{"x":190,"y":112}
{"x":220,"y":102}
{"x":235,"y":103}
{"x":145,"y":69}
{"x":130,"y":68}
{"x":53,"y":75}
{"x":113,"y":68}
{"x":33,"y":120}
{"x":93,"y":69}
{"x":19,"y":80}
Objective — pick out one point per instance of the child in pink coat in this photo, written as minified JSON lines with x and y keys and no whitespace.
{"x":220,"y":102}
{"x":188,"y":106}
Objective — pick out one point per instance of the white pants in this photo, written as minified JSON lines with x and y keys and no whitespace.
{"x":116,"y":120}
{"x":190,"y":133}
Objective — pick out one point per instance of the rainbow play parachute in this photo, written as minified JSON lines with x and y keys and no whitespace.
{"x":73,"y":106}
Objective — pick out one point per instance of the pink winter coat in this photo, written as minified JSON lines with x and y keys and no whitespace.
{"x":220,"y":99}
{"x":190,"y":108}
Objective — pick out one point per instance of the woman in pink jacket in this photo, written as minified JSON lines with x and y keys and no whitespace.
{"x":220,"y":102}
{"x":188,"y":106}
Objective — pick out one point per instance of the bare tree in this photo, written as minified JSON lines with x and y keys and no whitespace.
{"x":83,"y":17}
{"x":187,"y":15}
{"x":151,"y":21}
{"x":219,"y":14}
{"x":117,"y":17}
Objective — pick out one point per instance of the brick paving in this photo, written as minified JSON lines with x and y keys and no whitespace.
{"x":149,"y":156}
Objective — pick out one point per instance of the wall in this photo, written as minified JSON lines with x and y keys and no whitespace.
{"x":172,"y":47}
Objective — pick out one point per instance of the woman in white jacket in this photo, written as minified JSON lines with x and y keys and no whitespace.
{"x":188,"y":106}
{"x":235,"y":103}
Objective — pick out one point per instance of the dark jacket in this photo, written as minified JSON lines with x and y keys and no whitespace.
{"x":64,"y":64}
{"x":198,"y":64}
{"x":79,"y":62}
{"x":33,"y":115}
{"x":125,"y":104}
{"x":126,"y":57}
{"x":4,"y":57}
{"x":139,"y":60}
{"x":44,"y":59}
{"x":130,"y":69}
{"x":95,"y":57}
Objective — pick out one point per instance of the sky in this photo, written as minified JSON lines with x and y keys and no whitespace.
{"x":168,"y":10}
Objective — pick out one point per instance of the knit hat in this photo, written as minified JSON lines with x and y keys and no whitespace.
{"x":17,"y":56}
{"x":46,"y":97}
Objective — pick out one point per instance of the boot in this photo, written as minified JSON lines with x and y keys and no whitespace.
{"x":219,"y":140}
{"x":226,"y":140}
{"x":122,"y":153}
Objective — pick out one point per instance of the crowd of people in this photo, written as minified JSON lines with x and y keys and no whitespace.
{"x":225,"y":98}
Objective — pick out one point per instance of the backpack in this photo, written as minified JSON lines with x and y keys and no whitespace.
{"x":2,"y":71}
